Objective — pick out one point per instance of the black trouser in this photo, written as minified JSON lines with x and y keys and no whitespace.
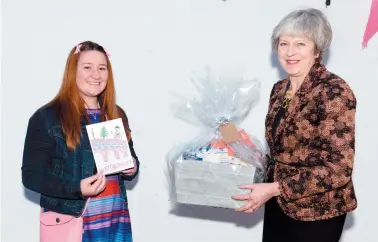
{"x":278,"y":227}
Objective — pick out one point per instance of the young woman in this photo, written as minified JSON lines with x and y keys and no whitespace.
{"x":58,"y":162}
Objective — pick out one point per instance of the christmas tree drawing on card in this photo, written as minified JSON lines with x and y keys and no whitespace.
{"x":110,"y":146}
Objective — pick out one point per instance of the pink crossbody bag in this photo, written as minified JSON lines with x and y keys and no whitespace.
{"x":56,"y":227}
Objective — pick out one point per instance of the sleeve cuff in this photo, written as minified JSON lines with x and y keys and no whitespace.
{"x":282,"y":189}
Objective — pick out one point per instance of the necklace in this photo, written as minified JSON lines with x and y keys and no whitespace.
{"x":91,"y":113}
{"x":287,"y":98}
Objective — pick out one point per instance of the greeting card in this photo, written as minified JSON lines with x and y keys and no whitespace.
{"x":110,"y":146}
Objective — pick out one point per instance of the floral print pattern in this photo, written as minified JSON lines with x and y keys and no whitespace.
{"x":313,"y":146}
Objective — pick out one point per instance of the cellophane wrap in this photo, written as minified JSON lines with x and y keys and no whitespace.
{"x":206,"y":170}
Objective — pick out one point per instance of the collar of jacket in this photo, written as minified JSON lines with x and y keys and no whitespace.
{"x":300,"y":98}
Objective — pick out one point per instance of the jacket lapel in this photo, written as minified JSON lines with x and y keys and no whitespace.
{"x":277,"y":101}
{"x":300,"y":99}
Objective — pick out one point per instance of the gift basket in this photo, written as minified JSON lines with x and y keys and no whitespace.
{"x":208,"y":169}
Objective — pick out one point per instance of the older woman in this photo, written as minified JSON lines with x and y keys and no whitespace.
{"x":310,"y":129}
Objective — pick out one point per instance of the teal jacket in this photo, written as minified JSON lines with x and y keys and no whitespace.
{"x":55,"y":172}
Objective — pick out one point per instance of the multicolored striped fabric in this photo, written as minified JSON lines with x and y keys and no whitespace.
{"x":106,"y":218}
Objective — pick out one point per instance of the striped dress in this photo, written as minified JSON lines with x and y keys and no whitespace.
{"x":107,"y":218}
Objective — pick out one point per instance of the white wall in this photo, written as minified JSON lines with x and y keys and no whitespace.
{"x":152,"y":44}
{"x":1,"y":99}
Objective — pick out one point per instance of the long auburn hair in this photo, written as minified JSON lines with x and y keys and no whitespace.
{"x":72,"y":107}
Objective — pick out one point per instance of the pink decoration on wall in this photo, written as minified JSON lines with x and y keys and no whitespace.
{"x":372,"y":24}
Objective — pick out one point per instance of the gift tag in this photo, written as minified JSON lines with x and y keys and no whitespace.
{"x":230,"y":133}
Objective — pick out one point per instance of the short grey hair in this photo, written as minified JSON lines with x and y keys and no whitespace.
{"x":310,"y":22}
